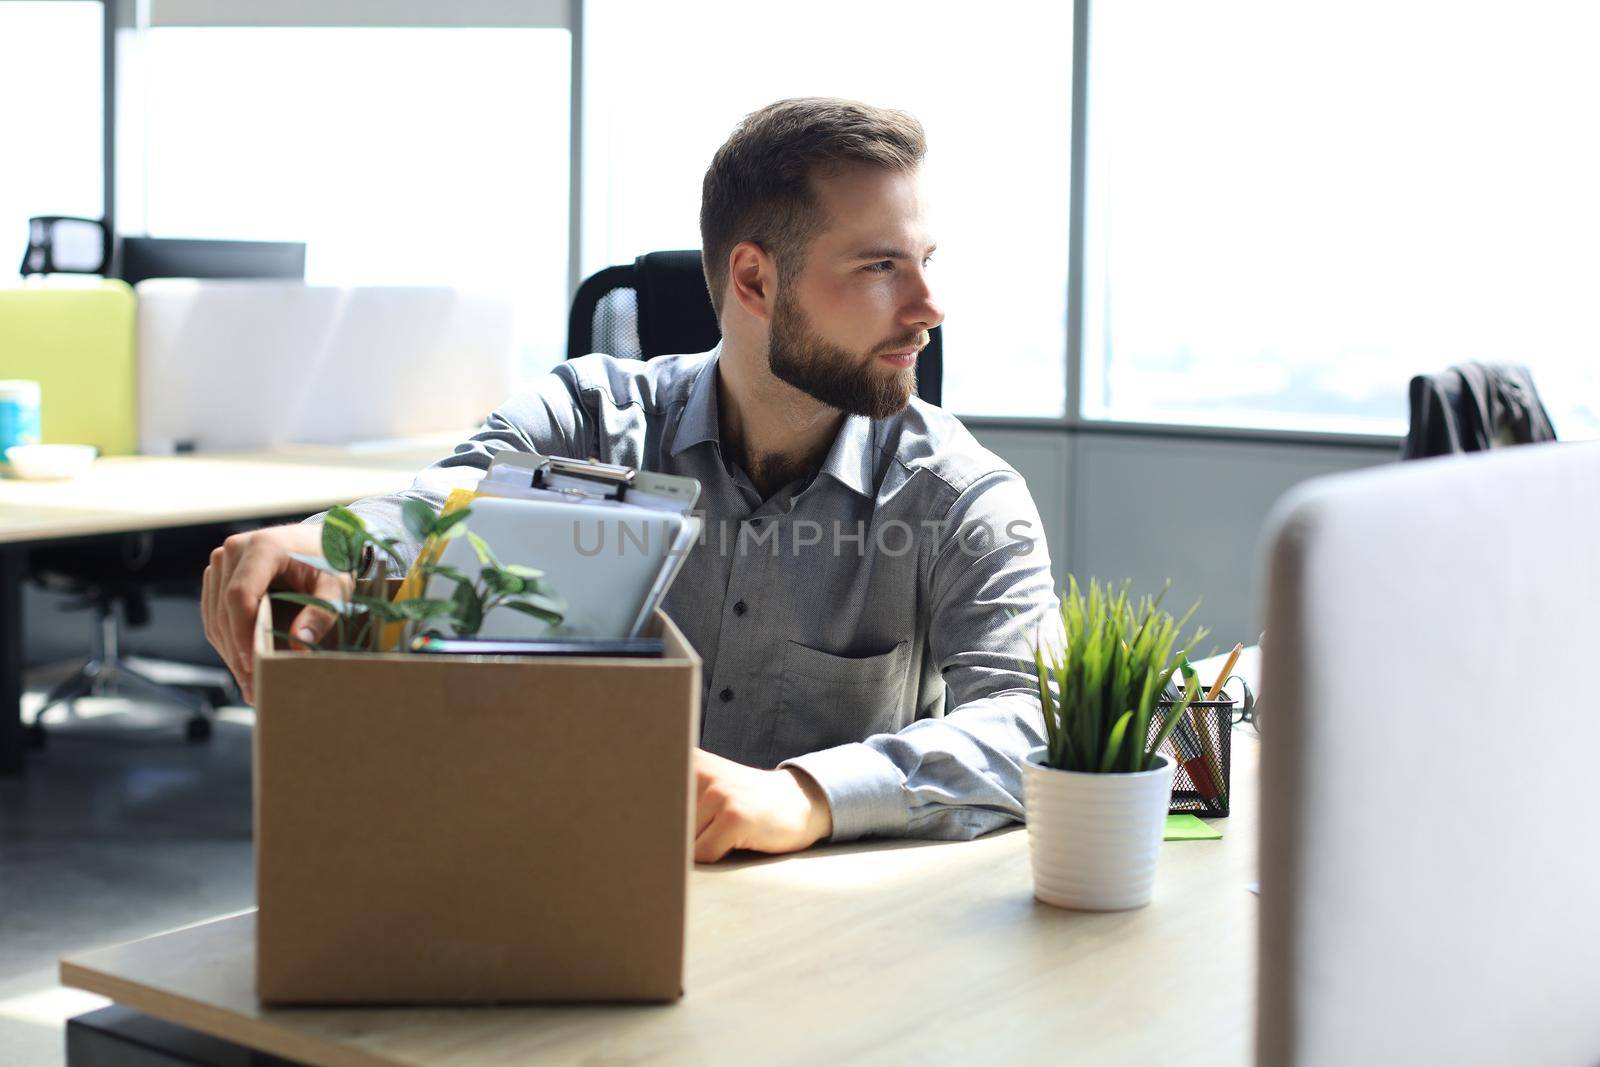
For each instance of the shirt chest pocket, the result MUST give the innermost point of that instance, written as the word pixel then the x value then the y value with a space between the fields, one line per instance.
pixel 826 700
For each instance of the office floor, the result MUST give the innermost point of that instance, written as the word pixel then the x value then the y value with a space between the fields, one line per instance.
pixel 118 829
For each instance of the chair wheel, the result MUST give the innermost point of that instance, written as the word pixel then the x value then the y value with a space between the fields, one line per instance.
pixel 37 737
pixel 198 729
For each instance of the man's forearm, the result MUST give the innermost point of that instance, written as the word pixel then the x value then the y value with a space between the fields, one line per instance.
pixel 950 778
pixel 820 822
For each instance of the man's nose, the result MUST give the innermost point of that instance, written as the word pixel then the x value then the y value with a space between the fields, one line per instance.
pixel 921 310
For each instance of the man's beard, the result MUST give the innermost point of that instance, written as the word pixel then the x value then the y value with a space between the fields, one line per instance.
pixel 800 356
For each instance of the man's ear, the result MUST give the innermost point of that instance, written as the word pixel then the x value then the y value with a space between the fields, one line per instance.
pixel 753 279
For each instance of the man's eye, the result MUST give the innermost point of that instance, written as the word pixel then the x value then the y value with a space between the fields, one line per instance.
pixel 881 267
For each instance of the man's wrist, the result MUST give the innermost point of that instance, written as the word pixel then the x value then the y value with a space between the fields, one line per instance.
pixel 819 819
pixel 865 790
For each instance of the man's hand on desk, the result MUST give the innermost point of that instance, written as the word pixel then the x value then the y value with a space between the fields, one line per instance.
pixel 242 569
pixel 744 807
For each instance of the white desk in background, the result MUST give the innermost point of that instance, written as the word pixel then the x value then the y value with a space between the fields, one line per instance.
pixel 128 494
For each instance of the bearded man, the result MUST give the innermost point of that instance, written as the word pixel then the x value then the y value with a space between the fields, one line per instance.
pixel 869 576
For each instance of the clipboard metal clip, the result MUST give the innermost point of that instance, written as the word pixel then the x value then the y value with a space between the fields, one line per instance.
pixel 517 472
pixel 615 480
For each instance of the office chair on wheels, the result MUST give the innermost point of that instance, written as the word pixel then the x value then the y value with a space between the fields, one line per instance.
pixel 126 574
pixel 108 573
pixel 658 305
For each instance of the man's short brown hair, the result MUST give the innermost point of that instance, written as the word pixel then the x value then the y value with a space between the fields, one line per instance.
pixel 758 187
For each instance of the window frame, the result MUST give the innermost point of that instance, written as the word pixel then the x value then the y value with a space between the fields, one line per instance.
pixel 1075 421
pixel 569 14
pixel 137 15
pixel 108 101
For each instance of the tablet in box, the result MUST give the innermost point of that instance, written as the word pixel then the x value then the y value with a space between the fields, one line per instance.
pixel 610 563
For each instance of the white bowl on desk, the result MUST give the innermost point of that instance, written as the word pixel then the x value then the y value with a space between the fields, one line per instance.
pixel 49 462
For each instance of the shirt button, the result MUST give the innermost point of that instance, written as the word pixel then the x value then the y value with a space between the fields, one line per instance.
pixel 739 608
pixel 726 695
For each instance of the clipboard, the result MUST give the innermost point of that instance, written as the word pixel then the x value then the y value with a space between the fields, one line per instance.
pixel 610 540
pixel 530 476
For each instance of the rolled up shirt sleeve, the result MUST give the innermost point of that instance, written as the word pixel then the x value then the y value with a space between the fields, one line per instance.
pixel 959 775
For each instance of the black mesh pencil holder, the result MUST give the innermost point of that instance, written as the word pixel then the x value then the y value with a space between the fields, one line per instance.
pixel 1202 754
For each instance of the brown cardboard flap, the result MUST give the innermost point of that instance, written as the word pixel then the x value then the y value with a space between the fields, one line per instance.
pixel 457 828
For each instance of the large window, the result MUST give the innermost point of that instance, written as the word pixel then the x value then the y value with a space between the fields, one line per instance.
pixel 51 100
pixel 990 84
pixel 1294 209
pixel 400 155
pixel 1290 211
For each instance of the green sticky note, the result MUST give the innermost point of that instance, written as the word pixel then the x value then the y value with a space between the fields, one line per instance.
pixel 1189 828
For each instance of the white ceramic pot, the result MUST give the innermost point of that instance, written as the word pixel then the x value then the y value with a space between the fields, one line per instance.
pixel 1095 838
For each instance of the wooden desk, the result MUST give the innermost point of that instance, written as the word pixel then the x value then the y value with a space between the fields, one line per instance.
pixel 887 953
pixel 127 494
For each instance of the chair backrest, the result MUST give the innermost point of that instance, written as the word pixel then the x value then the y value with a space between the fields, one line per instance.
pixel 1429 872
pixel 659 306
pixel 65 244
pixel 1472 407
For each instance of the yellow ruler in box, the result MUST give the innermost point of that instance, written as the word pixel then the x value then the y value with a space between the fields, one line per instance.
pixel 415 583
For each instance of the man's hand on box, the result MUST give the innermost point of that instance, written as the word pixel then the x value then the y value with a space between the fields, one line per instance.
pixel 242 569
pixel 743 807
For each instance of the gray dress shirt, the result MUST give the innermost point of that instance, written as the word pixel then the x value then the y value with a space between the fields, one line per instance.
pixel 867 624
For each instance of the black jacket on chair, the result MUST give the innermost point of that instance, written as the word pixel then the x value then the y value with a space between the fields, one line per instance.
pixel 1472 407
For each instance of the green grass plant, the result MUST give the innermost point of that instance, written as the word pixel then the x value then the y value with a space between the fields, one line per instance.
pixel 1100 681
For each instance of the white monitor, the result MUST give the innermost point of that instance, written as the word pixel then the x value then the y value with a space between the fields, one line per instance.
pixel 1430 869
pixel 255 364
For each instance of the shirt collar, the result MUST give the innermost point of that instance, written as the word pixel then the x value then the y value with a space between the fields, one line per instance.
pixel 698 422
pixel 849 461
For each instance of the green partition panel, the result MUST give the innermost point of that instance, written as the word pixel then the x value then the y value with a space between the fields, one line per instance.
pixel 77 340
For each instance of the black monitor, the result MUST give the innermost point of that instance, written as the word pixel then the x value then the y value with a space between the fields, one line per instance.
pixel 166 257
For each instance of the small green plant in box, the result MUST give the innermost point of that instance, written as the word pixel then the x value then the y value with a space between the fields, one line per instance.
pixel 1099 689
pixel 360 619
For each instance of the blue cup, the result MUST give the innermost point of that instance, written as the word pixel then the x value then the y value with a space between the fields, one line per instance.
pixel 19 414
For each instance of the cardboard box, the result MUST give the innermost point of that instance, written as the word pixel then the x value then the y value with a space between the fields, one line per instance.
pixel 434 829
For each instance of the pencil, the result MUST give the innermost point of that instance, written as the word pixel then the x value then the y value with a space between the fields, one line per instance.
pixel 1213 766
pixel 1227 668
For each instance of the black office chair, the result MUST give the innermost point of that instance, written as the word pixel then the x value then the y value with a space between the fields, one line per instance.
pixel 1473 407
pixel 125 571
pixel 659 306
pixel 62 244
